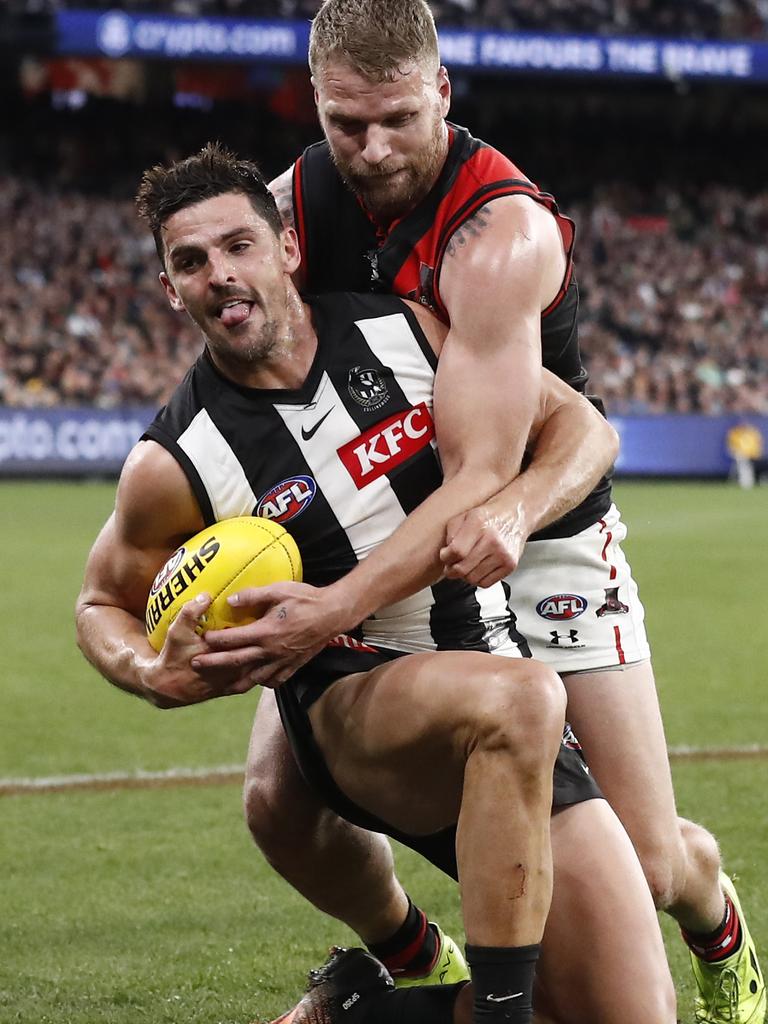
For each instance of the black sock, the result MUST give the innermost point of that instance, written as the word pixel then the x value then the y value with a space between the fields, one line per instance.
pixel 503 981
pixel 430 1004
pixel 412 950
pixel 721 943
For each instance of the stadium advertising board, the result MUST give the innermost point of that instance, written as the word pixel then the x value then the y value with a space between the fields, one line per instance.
pixel 121 34
pixel 94 442
pixel 68 442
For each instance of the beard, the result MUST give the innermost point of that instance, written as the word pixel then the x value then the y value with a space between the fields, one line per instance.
pixel 246 350
pixel 391 189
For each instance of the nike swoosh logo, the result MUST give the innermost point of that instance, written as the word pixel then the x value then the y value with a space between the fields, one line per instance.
pixel 307 435
pixel 503 999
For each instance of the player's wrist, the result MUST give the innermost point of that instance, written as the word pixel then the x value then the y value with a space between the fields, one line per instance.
pixel 344 606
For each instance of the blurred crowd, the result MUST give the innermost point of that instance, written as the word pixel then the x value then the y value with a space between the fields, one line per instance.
pixel 674 313
pixel 712 19
pixel 674 301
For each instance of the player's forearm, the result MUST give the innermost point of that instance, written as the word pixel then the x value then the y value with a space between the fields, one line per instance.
pixel 409 560
pixel 575 448
pixel 115 643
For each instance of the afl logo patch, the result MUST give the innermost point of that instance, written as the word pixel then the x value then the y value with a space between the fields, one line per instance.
pixel 168 570
pixel 288 499
pixel 367 387
pixel 562 607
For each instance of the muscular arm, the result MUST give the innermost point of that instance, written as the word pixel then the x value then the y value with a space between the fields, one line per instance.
pixel 502 267
pixel 570 451
pixel 155 511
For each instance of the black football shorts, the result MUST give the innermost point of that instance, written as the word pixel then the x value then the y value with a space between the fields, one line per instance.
pixel 572 781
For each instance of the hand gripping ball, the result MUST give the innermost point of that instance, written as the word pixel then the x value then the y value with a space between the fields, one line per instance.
pixel 235 553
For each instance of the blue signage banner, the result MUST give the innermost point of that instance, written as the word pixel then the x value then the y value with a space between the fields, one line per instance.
pixel 95 442
pixel 678 445
pixel 121 34
pixel 68 442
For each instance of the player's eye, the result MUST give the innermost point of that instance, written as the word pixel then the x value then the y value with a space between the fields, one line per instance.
pixel 188 264
pixel 350 127
pixel 400 121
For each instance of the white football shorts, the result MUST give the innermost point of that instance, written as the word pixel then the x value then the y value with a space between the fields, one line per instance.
pixel 576 602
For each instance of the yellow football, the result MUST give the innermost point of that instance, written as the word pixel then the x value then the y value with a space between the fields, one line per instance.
pixel 244 552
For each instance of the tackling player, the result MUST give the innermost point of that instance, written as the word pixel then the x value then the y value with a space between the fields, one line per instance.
pixel 398 199
pixel 447 748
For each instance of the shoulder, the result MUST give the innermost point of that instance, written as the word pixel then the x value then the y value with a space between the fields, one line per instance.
pixel 281 188
pixel 155 504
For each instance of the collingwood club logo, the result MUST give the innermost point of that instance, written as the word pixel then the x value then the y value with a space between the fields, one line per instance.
pixel 367 387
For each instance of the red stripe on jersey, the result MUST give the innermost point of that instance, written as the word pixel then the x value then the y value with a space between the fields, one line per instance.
pixel 486 175
pixel 619 648
pixel 604 554
pixel 298 209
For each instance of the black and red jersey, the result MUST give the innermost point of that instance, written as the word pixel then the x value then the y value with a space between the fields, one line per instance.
pixel 343 249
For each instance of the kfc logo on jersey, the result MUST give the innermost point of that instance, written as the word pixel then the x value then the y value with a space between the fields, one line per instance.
pixel 562 607
pixel 387 445
pixel 288 499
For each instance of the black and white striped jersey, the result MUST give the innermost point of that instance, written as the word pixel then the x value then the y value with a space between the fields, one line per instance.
pixel 340 462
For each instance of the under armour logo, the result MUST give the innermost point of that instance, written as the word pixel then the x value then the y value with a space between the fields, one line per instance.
pixel 569 639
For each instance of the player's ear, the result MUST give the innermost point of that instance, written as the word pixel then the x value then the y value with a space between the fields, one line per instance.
pixel 171 294
pixel 444 90
pixel 290 251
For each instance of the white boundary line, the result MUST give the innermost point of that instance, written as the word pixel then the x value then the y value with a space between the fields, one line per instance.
pixel 108 780
pixel 234 772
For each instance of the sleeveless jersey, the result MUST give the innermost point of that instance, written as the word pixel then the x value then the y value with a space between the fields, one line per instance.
pixel 343 248
pixel 340 462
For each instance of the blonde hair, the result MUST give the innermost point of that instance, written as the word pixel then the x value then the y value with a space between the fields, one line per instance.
pixel 376 38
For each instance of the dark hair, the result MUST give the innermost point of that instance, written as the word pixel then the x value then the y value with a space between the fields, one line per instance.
pixel 213 171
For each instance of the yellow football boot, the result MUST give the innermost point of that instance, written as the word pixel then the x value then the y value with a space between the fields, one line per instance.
pixel 448 967
pixel 731 991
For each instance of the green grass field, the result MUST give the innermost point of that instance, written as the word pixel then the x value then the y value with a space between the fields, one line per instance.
pixel 120 906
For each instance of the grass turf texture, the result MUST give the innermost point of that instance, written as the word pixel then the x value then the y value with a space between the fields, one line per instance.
pixel 151 904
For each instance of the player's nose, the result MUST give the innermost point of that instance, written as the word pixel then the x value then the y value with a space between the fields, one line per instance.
pixel 220 269
pixel 376 146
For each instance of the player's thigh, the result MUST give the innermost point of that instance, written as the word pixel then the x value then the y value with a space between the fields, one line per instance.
pixel 603 959
pixel 616 717
pixel 396 739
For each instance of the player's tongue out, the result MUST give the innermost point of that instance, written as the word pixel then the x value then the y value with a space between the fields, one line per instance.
pixel 235 314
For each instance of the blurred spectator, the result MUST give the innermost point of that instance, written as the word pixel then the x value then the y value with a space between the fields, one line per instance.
pixel 745 446
pixel 707 19
pixel 674 301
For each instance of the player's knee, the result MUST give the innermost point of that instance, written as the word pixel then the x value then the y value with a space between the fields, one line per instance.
pixel 513 703
pixel 702 854
pixel 279 832
pixel 668 863
pixel 262 812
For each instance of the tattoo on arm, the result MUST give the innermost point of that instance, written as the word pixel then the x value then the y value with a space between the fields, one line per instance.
pixel 469 229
